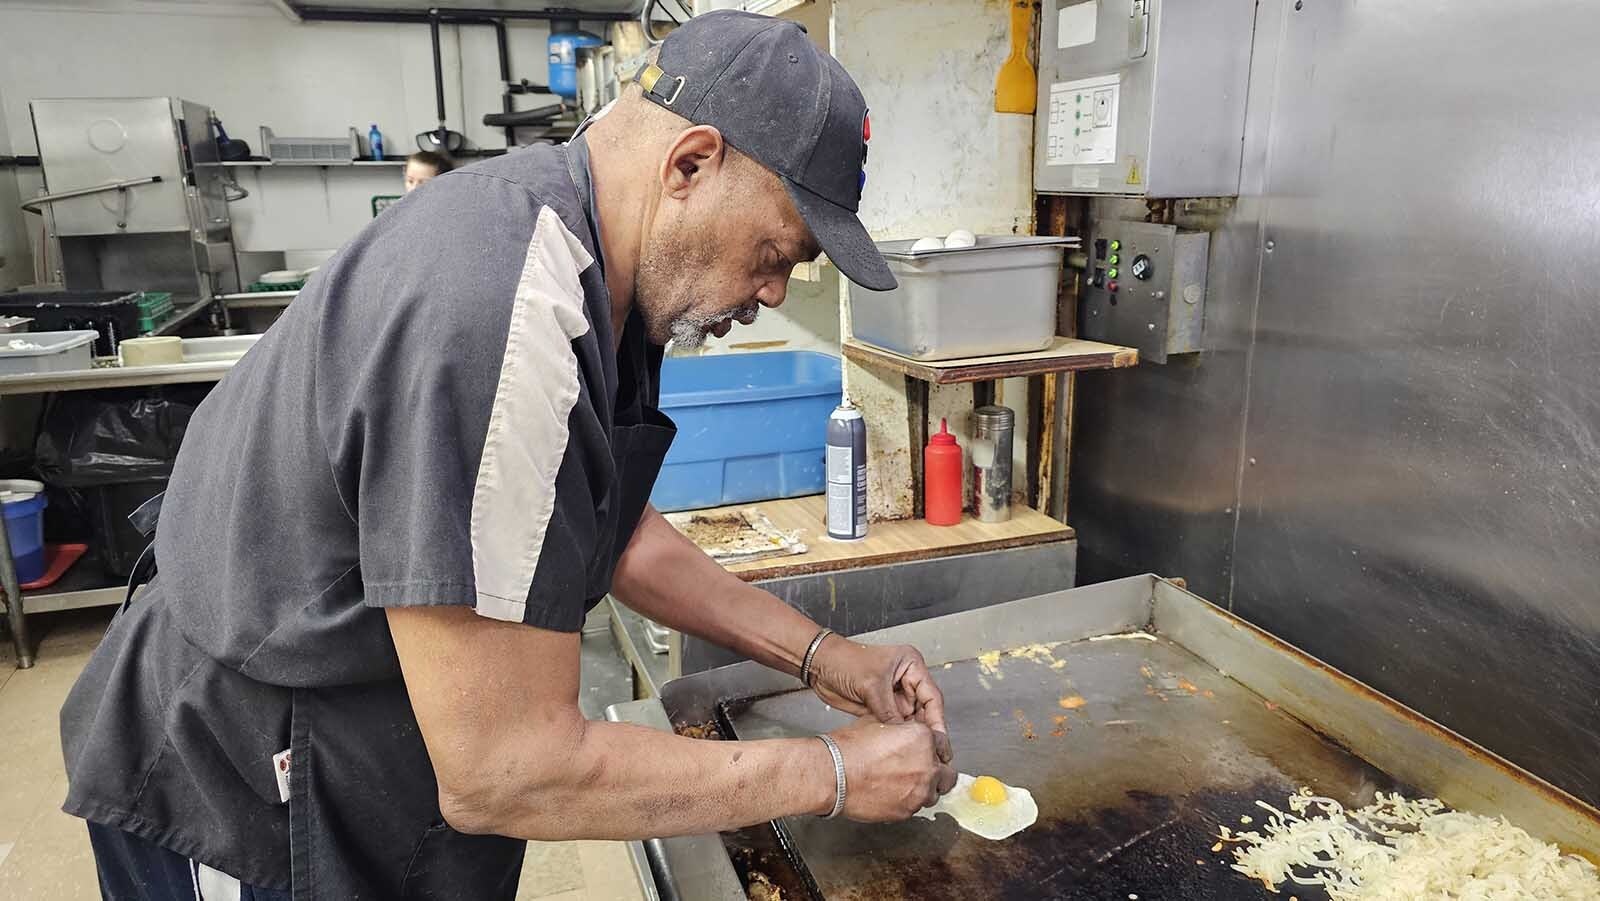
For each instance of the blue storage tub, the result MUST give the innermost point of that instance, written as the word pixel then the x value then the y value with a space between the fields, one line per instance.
pixel 24 514
pixel 751 427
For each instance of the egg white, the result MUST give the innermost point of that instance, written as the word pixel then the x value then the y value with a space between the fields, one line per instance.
pixel 992 821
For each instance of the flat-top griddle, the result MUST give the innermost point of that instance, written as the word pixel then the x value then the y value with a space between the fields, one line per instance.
pixel 1180 729
pixel 1153 750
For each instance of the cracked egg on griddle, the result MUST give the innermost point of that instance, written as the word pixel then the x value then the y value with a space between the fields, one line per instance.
pixel 986 806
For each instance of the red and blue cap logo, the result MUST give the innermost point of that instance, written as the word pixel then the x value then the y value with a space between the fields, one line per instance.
pixel 866 136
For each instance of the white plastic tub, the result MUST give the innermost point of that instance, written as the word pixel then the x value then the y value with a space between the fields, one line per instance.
pixel 214 350
pixel 29 352
pixel 997 297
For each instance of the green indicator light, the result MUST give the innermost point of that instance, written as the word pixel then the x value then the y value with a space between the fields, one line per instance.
pixel 1111 273
pixel 1113 260
pixel 1116 245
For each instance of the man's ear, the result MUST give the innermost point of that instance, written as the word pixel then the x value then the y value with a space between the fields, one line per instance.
pixel 694 155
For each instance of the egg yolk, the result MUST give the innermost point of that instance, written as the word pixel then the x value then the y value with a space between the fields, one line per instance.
pixel 988 790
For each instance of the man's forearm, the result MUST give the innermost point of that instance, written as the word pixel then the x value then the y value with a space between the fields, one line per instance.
pixel 512 754
pixel 664 576
pixel 628 782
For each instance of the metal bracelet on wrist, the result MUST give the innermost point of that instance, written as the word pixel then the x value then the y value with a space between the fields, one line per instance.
pixel 838 776
pixel 811 653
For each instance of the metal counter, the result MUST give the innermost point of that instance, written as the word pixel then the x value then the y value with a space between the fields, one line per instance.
pixel 1176 736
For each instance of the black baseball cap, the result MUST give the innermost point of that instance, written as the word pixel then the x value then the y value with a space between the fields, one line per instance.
pixel 788 106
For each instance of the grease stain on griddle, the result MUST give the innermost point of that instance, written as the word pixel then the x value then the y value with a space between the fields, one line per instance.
pixel 1128 800
pixel 1145 846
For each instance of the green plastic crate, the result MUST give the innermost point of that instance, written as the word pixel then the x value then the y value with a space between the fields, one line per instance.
pixel 155 308
pixel 256 287
pixel 381 202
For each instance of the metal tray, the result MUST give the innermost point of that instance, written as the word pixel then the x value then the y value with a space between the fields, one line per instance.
pixel 986 245
pixel 997 297
pixel 1176 736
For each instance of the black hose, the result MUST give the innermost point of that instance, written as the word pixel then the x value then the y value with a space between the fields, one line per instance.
pixel 438 72
pixel 504 45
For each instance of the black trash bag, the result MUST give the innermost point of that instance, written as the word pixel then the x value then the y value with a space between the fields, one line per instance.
pixel 111 437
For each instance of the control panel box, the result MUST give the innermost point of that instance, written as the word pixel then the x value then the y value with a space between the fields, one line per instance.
pixel 1145 287
pixel 1142 97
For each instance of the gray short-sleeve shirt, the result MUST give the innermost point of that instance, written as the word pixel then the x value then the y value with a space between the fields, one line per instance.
pixel 443 416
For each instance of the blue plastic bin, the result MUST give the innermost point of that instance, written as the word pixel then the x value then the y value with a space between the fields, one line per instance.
pixel 25 528
pixel 751 427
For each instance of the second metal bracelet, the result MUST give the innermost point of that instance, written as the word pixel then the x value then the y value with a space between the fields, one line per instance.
pixel 838 776
pixel 811 653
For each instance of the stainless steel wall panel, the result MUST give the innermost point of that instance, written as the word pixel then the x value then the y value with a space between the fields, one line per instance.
pixel 1421 492
pixel 1419 479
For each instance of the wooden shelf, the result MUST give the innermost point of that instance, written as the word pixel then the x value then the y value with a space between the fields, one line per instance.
pixel 888 542
pixel 1065 355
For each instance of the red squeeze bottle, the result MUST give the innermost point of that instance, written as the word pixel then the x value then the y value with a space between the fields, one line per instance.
pixel 941 479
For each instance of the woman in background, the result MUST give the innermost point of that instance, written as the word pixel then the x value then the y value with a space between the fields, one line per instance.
pixel 424 165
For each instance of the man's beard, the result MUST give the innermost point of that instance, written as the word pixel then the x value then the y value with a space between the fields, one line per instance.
pixel 664 287
pixel 690 330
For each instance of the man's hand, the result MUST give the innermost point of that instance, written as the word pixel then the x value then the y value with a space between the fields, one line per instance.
pixel 891 683
pixel 891 770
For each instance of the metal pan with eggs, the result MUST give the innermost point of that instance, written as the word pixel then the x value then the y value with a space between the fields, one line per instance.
pixel 1140 719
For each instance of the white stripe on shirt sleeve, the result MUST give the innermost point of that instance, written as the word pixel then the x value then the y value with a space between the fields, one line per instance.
pixel 514 495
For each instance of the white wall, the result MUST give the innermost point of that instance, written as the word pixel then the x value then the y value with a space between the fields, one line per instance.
pixel 940 158
pixel 255 67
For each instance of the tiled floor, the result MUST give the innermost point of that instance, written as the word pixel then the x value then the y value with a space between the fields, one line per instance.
pixel 44 854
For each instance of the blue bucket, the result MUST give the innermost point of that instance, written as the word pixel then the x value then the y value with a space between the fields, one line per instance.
pixel 751 427
pixel 24 510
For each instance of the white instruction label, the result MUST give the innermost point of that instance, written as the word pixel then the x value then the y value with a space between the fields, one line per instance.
pixel 1083 121
pixel 841 484
pixel 1075 24
pixel 841 467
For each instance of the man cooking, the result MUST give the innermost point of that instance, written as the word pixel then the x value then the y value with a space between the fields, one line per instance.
pixel 356 673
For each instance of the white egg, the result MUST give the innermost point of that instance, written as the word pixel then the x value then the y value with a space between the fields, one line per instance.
pixel 960 238
pixel 927 244
pixel 994 820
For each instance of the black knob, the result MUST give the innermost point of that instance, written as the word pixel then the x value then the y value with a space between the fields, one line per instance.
pixel 1141 268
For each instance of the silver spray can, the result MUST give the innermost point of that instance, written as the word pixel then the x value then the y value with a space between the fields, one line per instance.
pixel 991 462
pixel 847 474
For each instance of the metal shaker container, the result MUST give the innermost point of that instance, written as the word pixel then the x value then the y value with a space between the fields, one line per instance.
pixel 993 427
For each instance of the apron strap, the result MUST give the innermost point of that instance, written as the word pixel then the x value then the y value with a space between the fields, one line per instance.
pixel 144 569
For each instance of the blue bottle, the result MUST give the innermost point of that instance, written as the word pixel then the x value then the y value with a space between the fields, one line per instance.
pixel 375 138
pixel 565 39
